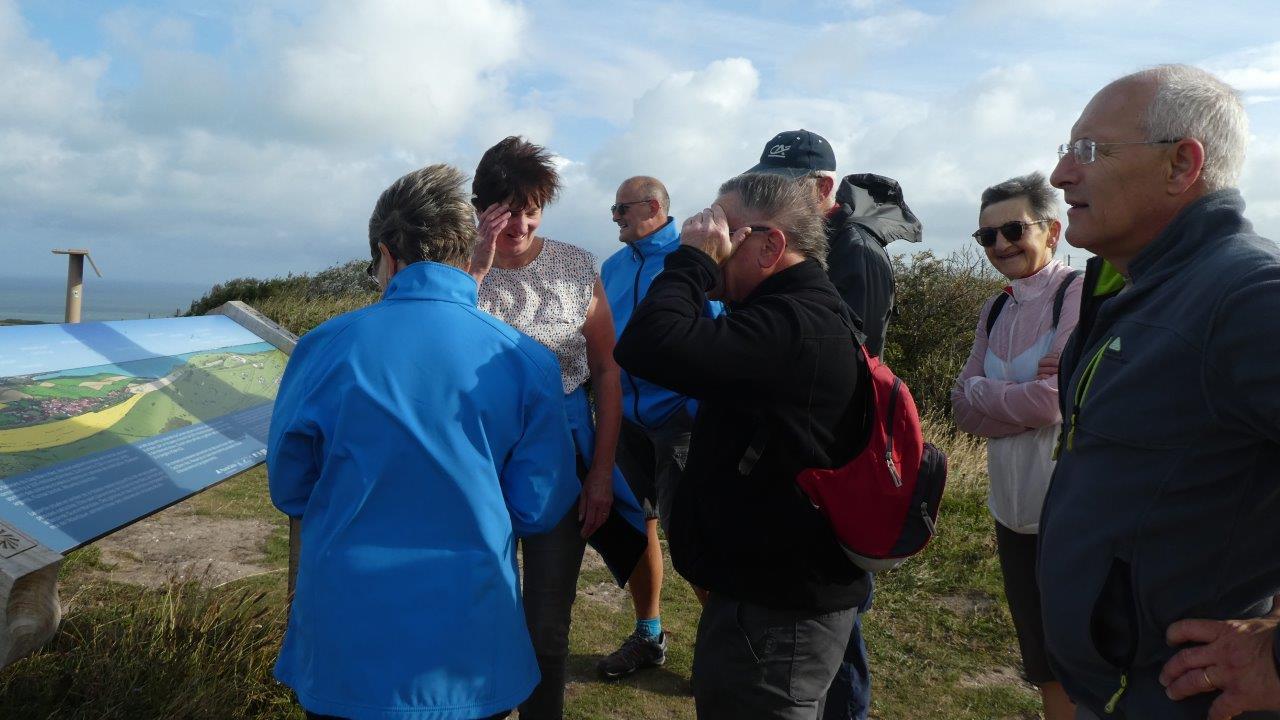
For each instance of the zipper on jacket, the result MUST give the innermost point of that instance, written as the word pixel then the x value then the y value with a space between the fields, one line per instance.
pixel 1115 699
pixel 1082 390
pixel 635 303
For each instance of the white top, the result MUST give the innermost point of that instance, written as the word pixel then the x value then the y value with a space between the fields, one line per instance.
pixel 547 300
pixel 999 397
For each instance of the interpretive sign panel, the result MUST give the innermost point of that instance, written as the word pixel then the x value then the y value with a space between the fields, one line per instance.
pixel 104 423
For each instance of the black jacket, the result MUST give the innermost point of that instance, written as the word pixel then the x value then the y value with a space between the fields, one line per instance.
pixel 870 213
pixel 784 361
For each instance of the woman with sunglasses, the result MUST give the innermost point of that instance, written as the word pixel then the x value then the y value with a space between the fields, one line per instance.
pixel 552 292
pixel 1008 393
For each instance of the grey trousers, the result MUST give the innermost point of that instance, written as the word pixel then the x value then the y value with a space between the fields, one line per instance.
pixel 751 662
pixel 551 565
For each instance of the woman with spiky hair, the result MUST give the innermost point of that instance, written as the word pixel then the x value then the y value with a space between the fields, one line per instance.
pixel 552 292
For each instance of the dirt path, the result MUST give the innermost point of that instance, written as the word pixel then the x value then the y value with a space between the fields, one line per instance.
pixel 178 544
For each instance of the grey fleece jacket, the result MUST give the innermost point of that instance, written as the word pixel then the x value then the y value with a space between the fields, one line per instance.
pixel 1165 503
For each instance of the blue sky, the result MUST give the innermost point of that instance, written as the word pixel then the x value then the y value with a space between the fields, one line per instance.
pixel 196 143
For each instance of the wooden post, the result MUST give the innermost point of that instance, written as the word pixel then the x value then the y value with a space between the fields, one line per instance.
pixel 29 607
pixel 75 281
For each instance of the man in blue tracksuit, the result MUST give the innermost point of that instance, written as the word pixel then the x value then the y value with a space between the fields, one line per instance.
pixel 654 440
pixel 1159 539
pixel 415 438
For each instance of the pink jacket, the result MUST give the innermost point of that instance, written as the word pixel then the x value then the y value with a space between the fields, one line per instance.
pixel 999 397
pixel 997 393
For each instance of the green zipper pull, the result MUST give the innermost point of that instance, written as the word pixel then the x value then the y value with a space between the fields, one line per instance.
pixel 1082 391
pixel 1115 699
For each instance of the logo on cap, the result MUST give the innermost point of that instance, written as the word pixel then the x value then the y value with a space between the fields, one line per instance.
pixel 779 151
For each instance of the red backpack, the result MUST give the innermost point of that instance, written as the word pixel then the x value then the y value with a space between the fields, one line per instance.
pixel 883 503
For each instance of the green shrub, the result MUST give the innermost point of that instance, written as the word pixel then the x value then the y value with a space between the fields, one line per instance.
pixel 937 307
pixel 297 302
pixel 938 300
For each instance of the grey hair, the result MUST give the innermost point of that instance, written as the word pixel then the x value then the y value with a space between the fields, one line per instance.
pixel 789 206
pixel 811 179
pixel 1034 187
pixel 1194 103
pixel 425 215
pixel 651 188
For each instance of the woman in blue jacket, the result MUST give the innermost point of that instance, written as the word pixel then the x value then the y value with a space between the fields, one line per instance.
pixel 415 438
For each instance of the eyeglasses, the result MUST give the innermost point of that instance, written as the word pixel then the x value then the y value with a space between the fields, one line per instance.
pixel 752 228
pixel 621 208
pixel 372 269
pixel 1012 231
pixel 1085 150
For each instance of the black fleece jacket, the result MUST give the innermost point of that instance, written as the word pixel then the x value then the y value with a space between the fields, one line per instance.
pixel 781 366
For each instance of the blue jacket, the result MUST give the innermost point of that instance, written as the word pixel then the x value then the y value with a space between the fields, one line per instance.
pixel 416 438
pixel 1164 502
pixel 627 275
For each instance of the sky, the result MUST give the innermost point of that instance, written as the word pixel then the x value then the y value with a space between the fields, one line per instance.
pixel 196 142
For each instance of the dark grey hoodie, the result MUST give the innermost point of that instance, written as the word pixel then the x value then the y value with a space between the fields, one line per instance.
pixel 870 213
pixel 1165 503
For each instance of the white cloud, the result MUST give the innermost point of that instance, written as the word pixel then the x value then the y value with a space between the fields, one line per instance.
pixel 201 163
pixel 396 71
pixel 1251 71
pixel 262 152
pixel 1064 9
pixel 39 90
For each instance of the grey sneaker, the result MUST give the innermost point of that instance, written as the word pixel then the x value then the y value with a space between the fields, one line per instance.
pixel 637 652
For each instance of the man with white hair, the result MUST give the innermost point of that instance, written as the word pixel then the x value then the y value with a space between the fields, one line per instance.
pixel 862 214
pixel 773 378
pixel 1159 564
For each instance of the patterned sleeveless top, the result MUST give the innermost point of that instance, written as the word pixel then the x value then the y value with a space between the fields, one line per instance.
pixel 547 300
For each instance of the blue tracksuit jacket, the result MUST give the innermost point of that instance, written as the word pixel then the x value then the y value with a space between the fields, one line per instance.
pixel 627 275
pixel 416 438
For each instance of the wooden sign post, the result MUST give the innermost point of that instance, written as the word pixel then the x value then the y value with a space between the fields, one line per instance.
pixel 75 280
pixel 222 370
pixel 29 607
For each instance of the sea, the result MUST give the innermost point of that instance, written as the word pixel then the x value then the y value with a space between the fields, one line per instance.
pixel 43 299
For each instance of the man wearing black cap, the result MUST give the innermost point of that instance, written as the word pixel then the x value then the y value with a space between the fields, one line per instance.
pixel 863 214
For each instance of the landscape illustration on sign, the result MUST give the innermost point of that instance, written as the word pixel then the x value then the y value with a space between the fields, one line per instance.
pixel 101 423
pixel 60 416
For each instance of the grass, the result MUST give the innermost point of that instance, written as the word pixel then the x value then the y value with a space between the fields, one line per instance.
pixel 940 639
pixel 70 387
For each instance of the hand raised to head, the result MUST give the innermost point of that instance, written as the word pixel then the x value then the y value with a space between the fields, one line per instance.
pixel 489 225
pixel 708 231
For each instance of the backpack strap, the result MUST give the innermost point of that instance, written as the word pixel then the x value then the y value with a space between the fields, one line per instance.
pixel 996 307
pixel 1059 298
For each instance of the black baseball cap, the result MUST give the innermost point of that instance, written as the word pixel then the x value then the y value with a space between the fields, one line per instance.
pixel 796 153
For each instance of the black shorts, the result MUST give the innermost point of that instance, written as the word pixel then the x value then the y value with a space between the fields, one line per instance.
pixel 1017 554
pixel 652 459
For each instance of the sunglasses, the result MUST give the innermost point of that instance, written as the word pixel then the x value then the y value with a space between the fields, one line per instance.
pixel 621 208
pixel 1012 231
